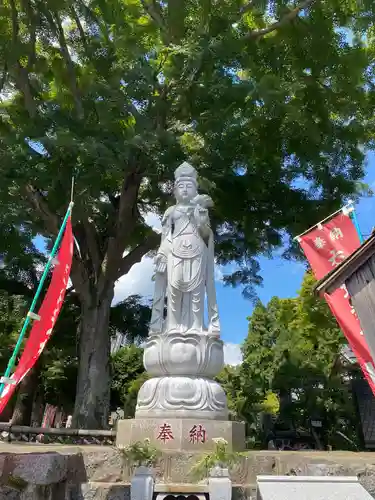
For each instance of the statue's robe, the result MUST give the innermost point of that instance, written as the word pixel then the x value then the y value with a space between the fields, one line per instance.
pixel 189 254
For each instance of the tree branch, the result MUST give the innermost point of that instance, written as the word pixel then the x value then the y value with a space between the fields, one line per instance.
pixel 51 221
pixel 127 262
pixel 39 204
pixel 245 8
pixel 284 20
pixel 127 216
pixel 58 30
pixel 154 11
pixel 52 224
pixel 3 78
pixel 32 25
pixel 79 26
pixel 15 25
pixel 21 75
pixel 70 67
pixel 92 244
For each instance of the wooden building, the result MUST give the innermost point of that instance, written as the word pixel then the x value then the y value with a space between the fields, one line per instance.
pixel 357 272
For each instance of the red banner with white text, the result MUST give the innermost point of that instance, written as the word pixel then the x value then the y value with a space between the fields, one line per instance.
pixel 48 313
pixel 325 247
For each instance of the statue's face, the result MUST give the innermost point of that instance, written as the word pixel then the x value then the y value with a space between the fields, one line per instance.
pixel 185 190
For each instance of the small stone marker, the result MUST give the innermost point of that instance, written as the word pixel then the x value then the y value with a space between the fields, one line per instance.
pixel 310 488
pixel 219 484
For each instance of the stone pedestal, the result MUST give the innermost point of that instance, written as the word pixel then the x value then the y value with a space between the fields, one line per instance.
pixel 181 407
pixel 181 434
pixel 182 366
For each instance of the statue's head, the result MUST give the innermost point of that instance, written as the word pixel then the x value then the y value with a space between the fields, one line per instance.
pixel 185 185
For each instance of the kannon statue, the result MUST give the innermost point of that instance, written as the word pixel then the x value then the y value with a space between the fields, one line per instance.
pixel 185 262
pixel 182 355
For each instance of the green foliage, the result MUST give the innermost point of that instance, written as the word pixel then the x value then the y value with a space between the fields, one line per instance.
pixel 221 456
pixel 139 454
pixel 12 314
pixel 293 349
pixel 16 483
pixel 271 403
pixel 131 317
pixel 230 379
pixel 128 374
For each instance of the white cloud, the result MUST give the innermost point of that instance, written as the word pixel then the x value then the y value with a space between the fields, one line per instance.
pixel 138 281
pixel 232 354
pixel 153 220
pixel 218 273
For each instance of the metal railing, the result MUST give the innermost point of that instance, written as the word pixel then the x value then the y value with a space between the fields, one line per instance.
pixel 24 434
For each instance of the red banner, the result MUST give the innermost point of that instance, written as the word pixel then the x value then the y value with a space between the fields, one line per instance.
pixel 48 313
pixel 325 247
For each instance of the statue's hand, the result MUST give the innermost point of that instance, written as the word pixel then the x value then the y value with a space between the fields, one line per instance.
pixel 160 263
pixel 201 215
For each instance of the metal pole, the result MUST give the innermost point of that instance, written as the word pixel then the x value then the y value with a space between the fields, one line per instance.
pixel 354 218
pixel 30 314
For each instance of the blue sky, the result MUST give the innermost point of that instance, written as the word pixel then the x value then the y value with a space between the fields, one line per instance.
pixel 281 278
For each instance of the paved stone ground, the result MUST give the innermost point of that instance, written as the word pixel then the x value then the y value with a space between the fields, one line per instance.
pixel 57 472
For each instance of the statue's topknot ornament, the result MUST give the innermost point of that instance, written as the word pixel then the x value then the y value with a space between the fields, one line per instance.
pixel 185 172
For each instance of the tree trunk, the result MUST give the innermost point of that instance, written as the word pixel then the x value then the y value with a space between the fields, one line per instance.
pixel 37 409
pixel 25 398
pixel 91 410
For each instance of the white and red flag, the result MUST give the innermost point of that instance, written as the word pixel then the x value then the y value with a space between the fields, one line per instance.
pixel 325 246
pixel 48 312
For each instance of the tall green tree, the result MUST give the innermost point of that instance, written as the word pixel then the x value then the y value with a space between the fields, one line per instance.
pixel 128 374
pixel 293 349
pixel 272 101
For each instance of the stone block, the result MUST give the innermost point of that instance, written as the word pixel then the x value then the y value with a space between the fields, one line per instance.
pixel 188 435
pixel 40 468
pixel 100 491
pixel 310 488
pixel 8 493
pixel 101 464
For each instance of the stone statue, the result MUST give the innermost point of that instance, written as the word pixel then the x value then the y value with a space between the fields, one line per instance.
pixel 182 355
pixel 185 262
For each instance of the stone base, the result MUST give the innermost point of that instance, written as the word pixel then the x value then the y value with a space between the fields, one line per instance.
pixel 181 435
pixel 58 472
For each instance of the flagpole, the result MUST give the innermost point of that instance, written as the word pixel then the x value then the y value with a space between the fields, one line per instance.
pixel 31 315
pixel 348 208
pixel 353 216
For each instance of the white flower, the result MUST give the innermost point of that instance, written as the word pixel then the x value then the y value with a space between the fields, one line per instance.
pixel 220 441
